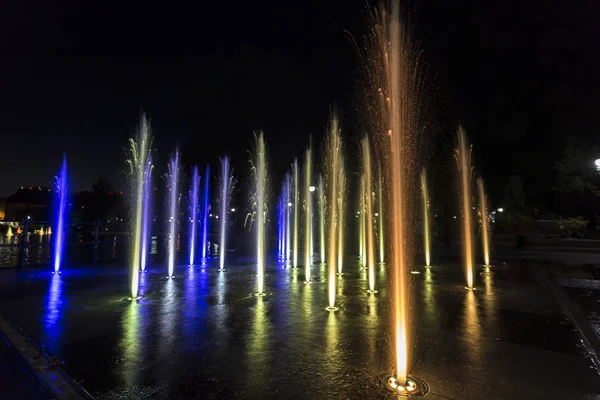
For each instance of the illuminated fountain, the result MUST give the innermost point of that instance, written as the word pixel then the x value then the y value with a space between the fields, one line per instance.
pixel 172 180
pixel 9 232
pixel 227 184
pixel 368 211
pixel 340 213
pixel 334 150
pixel 296 213
pixel 139 159
pixel 60 189
pixel 380 225
pixel 288 207
pixel 396 91
pixel 193 217
pixel 465 171
pixel 361 222
pixel 307 216
pixel 485 235
pixel 322 218
pixel 146 214
pixel 426 229
pixel 280 226
pixel 205 212
pixel 259 209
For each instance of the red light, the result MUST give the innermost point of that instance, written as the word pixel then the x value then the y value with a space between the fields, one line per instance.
pixel 121 193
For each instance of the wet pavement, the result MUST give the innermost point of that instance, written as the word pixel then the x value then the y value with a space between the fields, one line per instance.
pixel 17 382
pixel 201 335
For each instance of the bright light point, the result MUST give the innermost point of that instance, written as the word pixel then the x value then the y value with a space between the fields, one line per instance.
pixel 597 162
pixel 331 308
pixel 289 204
pixel 411 389
pixel 233 210
pixel 500 209
pixel 216 216
pixel 455 217
pixel 392 383
pixel 415 272
pixel 210 215
pixel 377 214
pixel 312 188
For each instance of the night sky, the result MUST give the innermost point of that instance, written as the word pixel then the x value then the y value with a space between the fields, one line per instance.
pixel 520 76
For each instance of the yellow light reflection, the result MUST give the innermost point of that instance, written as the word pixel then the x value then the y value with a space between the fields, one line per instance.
pixel 472 326
pixel 130 344
pixel 332 347
pixel 259 358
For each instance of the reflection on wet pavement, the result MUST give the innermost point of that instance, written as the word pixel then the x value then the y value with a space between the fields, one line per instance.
pixel 202 335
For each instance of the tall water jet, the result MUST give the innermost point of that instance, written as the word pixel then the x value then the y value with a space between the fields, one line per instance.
pixel 485 235
pixel 367 182
pixel 139 153
pixel 280 226
pixel 426 230
pixel 380 238
pixel 334 148
pixel 146 214
pixel 340 214
pixel 394 95
pixel 361 221
pixel 60 190
pixel 205 211
pixel 172 180
pixel 227 184
pixel 307 216
pixel 465 171
pixel 259 208
pixel 288 216
pixel 296 213
pixel 193 217
pixel 321 220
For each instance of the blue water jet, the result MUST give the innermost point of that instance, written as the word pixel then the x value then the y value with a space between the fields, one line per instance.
pixel 206 209
pixel 61 214
pixel 193 208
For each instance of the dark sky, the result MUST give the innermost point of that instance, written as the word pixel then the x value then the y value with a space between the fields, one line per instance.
pixel 75 74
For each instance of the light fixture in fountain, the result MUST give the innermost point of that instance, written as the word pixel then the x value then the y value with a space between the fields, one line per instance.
pixel 370 291
pixel 414 387
pixel 137 298
pixel 470 289
pixel 332 309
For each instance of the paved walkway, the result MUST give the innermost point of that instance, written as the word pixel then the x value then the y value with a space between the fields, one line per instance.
pixel 16 380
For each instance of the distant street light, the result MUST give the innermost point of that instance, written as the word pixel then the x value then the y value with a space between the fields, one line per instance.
pixel 597 163
pixel 312 188
pixel 500 209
